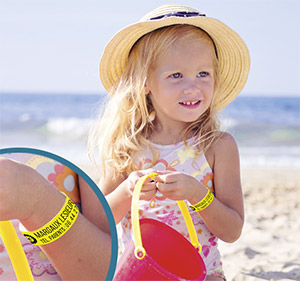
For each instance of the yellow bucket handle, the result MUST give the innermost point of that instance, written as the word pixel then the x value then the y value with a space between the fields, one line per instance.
pixel 140 251
pixel 15 251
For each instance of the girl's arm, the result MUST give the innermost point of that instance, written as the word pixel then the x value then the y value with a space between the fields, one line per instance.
pixel 82 253
pixel 224 217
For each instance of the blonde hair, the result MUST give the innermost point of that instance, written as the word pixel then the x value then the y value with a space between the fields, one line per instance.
pixel 124 127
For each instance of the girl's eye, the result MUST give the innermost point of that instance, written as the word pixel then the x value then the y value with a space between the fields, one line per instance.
pixel 176 75
pixel 202 74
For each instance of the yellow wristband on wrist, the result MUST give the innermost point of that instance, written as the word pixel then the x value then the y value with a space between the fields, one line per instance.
pixel 57 227
pixel 204 203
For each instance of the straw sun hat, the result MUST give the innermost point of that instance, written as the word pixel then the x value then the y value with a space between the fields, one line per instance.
pixel 232 52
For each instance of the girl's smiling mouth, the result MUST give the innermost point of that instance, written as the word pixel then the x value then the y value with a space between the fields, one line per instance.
pixel 190 104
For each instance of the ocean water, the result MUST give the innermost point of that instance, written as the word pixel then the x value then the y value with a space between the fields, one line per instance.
pixel 267 129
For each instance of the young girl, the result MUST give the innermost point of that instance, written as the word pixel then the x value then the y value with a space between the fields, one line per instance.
pixel 168 76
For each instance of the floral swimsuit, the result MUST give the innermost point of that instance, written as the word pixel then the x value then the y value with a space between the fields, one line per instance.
pixel 177 158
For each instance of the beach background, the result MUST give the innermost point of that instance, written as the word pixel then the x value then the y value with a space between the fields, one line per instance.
pixel 50 95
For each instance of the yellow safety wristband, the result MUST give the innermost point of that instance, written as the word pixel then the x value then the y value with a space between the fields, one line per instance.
pixel 204 203
pixel 57 227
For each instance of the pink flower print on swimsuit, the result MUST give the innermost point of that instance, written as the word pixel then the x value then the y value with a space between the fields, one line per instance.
pixel 37 261
pixel 160 164
pixel 207 181
pixel 2 249
pixel 206 248
pixel 205 175
pixel 168 217
pixel 65 180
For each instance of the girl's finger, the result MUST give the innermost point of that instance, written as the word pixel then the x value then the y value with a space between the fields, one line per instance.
pixel 149 186
pixel 164 187
pixel 167 178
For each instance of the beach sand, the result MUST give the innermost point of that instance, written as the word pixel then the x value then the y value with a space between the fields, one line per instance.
pixel 269 247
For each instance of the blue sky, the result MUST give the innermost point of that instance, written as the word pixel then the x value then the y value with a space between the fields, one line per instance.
pixel 54 46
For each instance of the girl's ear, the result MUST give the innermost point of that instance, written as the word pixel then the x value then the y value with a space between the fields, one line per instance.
pixel 147 89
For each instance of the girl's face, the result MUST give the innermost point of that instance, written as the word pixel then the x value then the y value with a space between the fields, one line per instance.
pixel 181 83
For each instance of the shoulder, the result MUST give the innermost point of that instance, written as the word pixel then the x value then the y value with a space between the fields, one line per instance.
pixel 224 149
pixel 224 142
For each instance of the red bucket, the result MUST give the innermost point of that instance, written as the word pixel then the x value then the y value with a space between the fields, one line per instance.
pixel 158 251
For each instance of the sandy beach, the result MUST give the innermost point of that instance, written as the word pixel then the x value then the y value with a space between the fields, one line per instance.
pixel 269 248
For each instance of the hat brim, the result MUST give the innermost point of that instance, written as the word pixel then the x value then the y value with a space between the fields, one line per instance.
pixel 233 54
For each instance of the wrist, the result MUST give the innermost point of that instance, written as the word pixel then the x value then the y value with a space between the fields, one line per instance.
pixel 120 201
pixel 45 207
pixel 198 195
pixel 126 191
pixel 203 203
pixel 56 227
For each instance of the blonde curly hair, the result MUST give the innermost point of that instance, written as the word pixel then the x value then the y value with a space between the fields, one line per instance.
pixel 124 127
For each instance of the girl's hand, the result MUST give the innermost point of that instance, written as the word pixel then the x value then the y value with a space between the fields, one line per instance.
pixel 179 186
pixel 20 190
pixel 149 188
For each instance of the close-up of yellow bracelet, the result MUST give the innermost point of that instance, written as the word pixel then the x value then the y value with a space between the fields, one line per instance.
pixel 57 227
pixel 204 203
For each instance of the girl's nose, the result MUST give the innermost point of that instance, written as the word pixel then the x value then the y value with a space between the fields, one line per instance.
pixel 190 87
